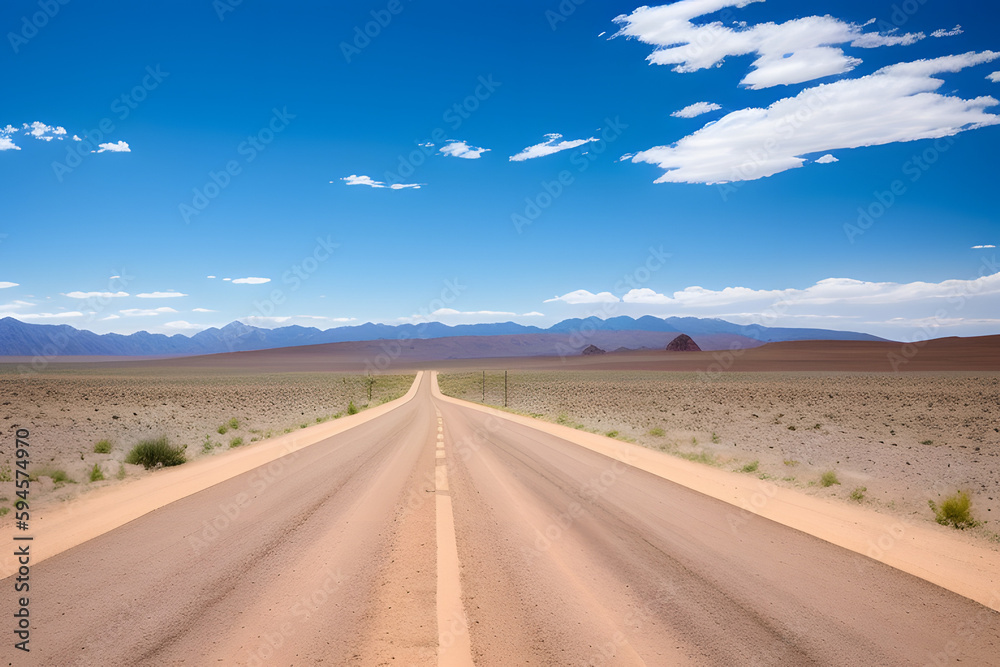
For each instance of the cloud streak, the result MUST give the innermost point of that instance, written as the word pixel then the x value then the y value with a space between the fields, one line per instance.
pixel 354 179
pixel 549 147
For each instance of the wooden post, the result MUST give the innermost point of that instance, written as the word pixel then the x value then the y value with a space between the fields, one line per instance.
pixel 484 386
pixel 505 389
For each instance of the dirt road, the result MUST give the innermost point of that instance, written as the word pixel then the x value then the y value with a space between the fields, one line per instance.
pixel 436 534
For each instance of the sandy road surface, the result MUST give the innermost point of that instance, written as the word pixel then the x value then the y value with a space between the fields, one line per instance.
pixel 567 557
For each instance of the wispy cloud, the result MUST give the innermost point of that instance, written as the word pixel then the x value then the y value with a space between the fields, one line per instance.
pixel 182 325
pixel 755 143
pixel 251 281
pixel 582 296
pixel 119 147
pixel 463 150
pixel 826 159
pixel 796 51
pixel 548 147
pixel 6 143
pixel 5 285
pixel 957 30
pixel 354 179
pixel 203 310
pixel 981 247
pixel 146 312
pixel 160 295
pixel 96 295
pixel 696 109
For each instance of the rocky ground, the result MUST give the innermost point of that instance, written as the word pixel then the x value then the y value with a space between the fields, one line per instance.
pixel 892 442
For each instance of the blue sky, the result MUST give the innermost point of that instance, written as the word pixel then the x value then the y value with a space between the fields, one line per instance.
pixel 829 166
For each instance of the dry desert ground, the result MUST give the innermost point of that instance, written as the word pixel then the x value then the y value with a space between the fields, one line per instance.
pixel 69 411
pixel 892 441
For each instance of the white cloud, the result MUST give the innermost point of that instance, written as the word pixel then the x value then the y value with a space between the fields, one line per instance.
pixel 897 103
pixel 95 295
pixel 367 180
pixel 957 30
pixel 696 109
pixel 160 295
pixel 49 316
pixel 44 132
pixel 251 281
pixel 583 296
pixel 210 277
pixel 225 279
pixel 796 51
pixel 535 313
pixel 146 312
pixel 825 292
pixel 463 150
pixel 548 147
pixel 114 277
pixel 111 317
pixel 203 310
pixel 181 325
pixel 440 312
pixel 120 147
pixel 6 143
pixel 826 159
pixel 980 247
pixel 76 138
pixel 994 77
pixel 262 321
pixel 5 285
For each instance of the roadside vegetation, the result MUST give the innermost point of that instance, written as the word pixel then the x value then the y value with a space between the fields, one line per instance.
pixel 156 452
pixel 955 510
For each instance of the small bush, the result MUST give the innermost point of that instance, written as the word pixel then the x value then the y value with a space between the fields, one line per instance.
pixel 352 409
pixel 657 432
pixel 954 511
pixel 828 479
pixel 58 476
pixel 612 434
pixel 5 474
pixel 102 447
pixel 235 442
pixel 750 467
pixel 233 423
pixel 151 453
pixel 562 418
pixel 791 462
pixel 926 442
pixel 95 474
pixel 222 430
pixel 4 510
pixel 700 457
pixel 715 439
pixel 858 494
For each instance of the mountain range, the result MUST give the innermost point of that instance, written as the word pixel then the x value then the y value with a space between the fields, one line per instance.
pixel 23 339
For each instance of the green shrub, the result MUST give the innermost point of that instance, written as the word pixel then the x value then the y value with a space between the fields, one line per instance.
pixel 4 510
pixel 612 434
pixel 235 442
pixel 657 432
pixel 926 442
pixel 954 510
pixel 222 430
pixel 352 409
pixel 102 447
pixel 715 438
pixel 829 478
pixel 233 423
pixel 858 494
pixel 58 476
pixel 750 467
pixel 151 453
pixel 5 474
pixel 95 474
